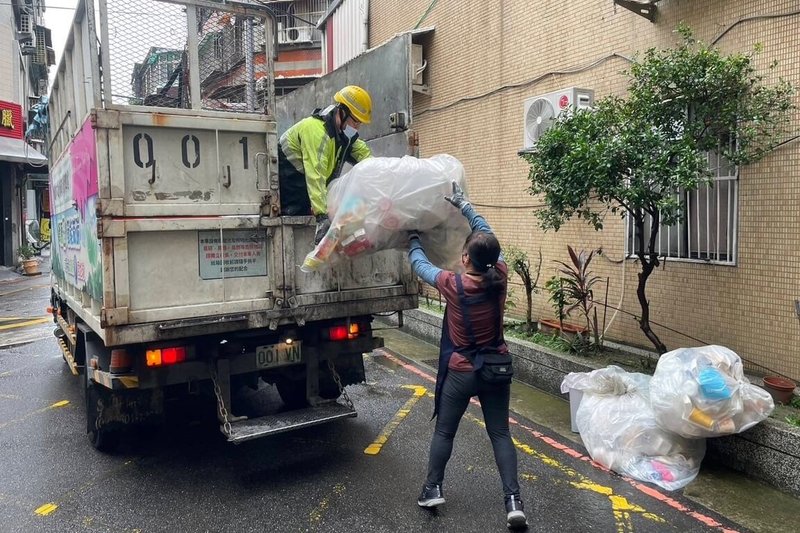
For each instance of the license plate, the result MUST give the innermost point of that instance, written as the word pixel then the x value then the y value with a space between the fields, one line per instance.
pixel 281 354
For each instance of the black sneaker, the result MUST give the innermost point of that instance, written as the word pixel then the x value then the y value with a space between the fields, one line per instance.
pixel 516 513
pixel 431 496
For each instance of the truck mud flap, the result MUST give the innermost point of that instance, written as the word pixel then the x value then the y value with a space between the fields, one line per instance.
pixel 253 428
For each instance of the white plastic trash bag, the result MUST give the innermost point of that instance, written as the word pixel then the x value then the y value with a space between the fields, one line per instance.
pixel 702 392
pixel 373 206
pixel 620 432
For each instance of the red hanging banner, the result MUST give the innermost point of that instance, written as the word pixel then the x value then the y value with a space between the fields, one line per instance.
pixel 11 120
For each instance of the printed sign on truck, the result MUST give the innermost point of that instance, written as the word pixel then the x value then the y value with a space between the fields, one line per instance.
pixel 76 251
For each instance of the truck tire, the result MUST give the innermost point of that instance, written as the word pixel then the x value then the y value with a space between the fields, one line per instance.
pixel 104 440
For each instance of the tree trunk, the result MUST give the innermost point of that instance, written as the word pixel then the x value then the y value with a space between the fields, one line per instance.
pixel 649 262
pixel 529 310
pixel 644 321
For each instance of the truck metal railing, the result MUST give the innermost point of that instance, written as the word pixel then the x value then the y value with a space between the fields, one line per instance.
pixel 188 54
pixel 178 54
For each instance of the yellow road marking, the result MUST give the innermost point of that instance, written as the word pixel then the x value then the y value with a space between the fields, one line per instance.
pixel 26 323
pixel 375 447
pixel 621 508
pixel 9 318
pixel 316 514
pixel 4 374
pixel 23 289
pixel 83 488
pixel 56 405
pixel 46 509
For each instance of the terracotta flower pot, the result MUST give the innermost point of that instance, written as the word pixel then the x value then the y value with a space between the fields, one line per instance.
pixel 31 266
pixel 569 331
pixel 781 389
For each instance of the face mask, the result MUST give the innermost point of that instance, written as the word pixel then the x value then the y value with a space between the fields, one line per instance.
pixel 350 131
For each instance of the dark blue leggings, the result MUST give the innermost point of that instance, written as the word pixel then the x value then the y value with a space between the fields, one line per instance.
pixel 458 388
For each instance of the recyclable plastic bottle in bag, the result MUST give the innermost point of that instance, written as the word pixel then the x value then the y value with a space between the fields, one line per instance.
pixel 702 392
pixel 373 206
pixel 620 432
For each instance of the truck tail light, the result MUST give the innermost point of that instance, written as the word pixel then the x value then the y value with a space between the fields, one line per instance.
pixel 344 332
pixel 165 356
pixel 338 333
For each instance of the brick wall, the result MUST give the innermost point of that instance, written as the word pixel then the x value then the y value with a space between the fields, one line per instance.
pixel 478 48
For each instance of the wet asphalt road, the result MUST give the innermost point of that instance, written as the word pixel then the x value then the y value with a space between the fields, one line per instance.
pixel 185 477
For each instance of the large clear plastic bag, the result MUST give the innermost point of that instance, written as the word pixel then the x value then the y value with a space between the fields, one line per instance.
pixel 620 432
pixel 373 206
pixel 702 392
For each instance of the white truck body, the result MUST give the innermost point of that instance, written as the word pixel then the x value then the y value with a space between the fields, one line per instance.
pixel 166 218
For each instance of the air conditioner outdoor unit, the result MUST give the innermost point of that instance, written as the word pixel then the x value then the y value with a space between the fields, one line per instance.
pixel 26 38
pixel 298 34
pixel 540 111
pixel 25 23
pixel 28 50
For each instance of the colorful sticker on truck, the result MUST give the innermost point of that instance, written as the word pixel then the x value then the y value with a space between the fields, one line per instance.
pixel 76 257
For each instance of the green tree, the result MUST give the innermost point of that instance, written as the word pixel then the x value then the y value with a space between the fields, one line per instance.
pixel 631 157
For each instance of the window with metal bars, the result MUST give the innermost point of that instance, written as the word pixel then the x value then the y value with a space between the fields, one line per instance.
pixel 707 229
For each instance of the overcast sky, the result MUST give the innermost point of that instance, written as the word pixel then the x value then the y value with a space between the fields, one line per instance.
pixel 59 21
pixel 134 26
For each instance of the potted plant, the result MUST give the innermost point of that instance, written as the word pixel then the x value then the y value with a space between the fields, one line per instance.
pixel 559 298
pixel 29 263
pixel 578 285
pixel 781 389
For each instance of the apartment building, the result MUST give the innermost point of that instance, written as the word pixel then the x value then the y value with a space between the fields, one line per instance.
pixel 731 273
pixel 26 52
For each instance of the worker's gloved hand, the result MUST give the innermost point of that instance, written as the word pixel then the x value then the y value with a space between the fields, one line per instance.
pixel 323 225
pixel 413 241
pixel 457 199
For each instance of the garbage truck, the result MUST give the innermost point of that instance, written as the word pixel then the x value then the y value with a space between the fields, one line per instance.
pixel 174 272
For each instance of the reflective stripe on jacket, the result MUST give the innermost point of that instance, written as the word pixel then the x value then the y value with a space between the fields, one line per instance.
pixel 315 151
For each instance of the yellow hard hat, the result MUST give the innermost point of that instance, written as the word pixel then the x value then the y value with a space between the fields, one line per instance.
pixel 357 101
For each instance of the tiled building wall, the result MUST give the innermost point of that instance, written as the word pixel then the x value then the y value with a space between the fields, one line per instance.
pixel 7 48
pixel 509 50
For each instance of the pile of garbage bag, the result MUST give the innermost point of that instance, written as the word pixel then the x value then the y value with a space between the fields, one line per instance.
pixel 702 392
pixel 653 428
pixel 373 206
pixel 620 432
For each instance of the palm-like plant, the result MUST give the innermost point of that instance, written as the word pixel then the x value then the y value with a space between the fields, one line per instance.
pixel 577 283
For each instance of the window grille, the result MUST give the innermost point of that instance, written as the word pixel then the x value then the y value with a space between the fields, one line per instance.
pixel 708 227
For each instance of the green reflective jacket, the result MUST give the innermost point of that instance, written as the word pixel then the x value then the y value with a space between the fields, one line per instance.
pixel 313 148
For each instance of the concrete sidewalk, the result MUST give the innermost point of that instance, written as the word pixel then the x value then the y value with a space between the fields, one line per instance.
pixel 740 498
pixel 15 274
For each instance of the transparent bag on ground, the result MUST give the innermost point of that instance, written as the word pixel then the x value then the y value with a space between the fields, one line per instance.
pixel 702 392
pixel 373 206
pixel 620 431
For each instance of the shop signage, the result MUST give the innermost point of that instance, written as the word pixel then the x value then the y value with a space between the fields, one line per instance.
pixel 10 120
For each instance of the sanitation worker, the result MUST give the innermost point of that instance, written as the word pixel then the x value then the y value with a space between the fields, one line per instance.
pixel 311 154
